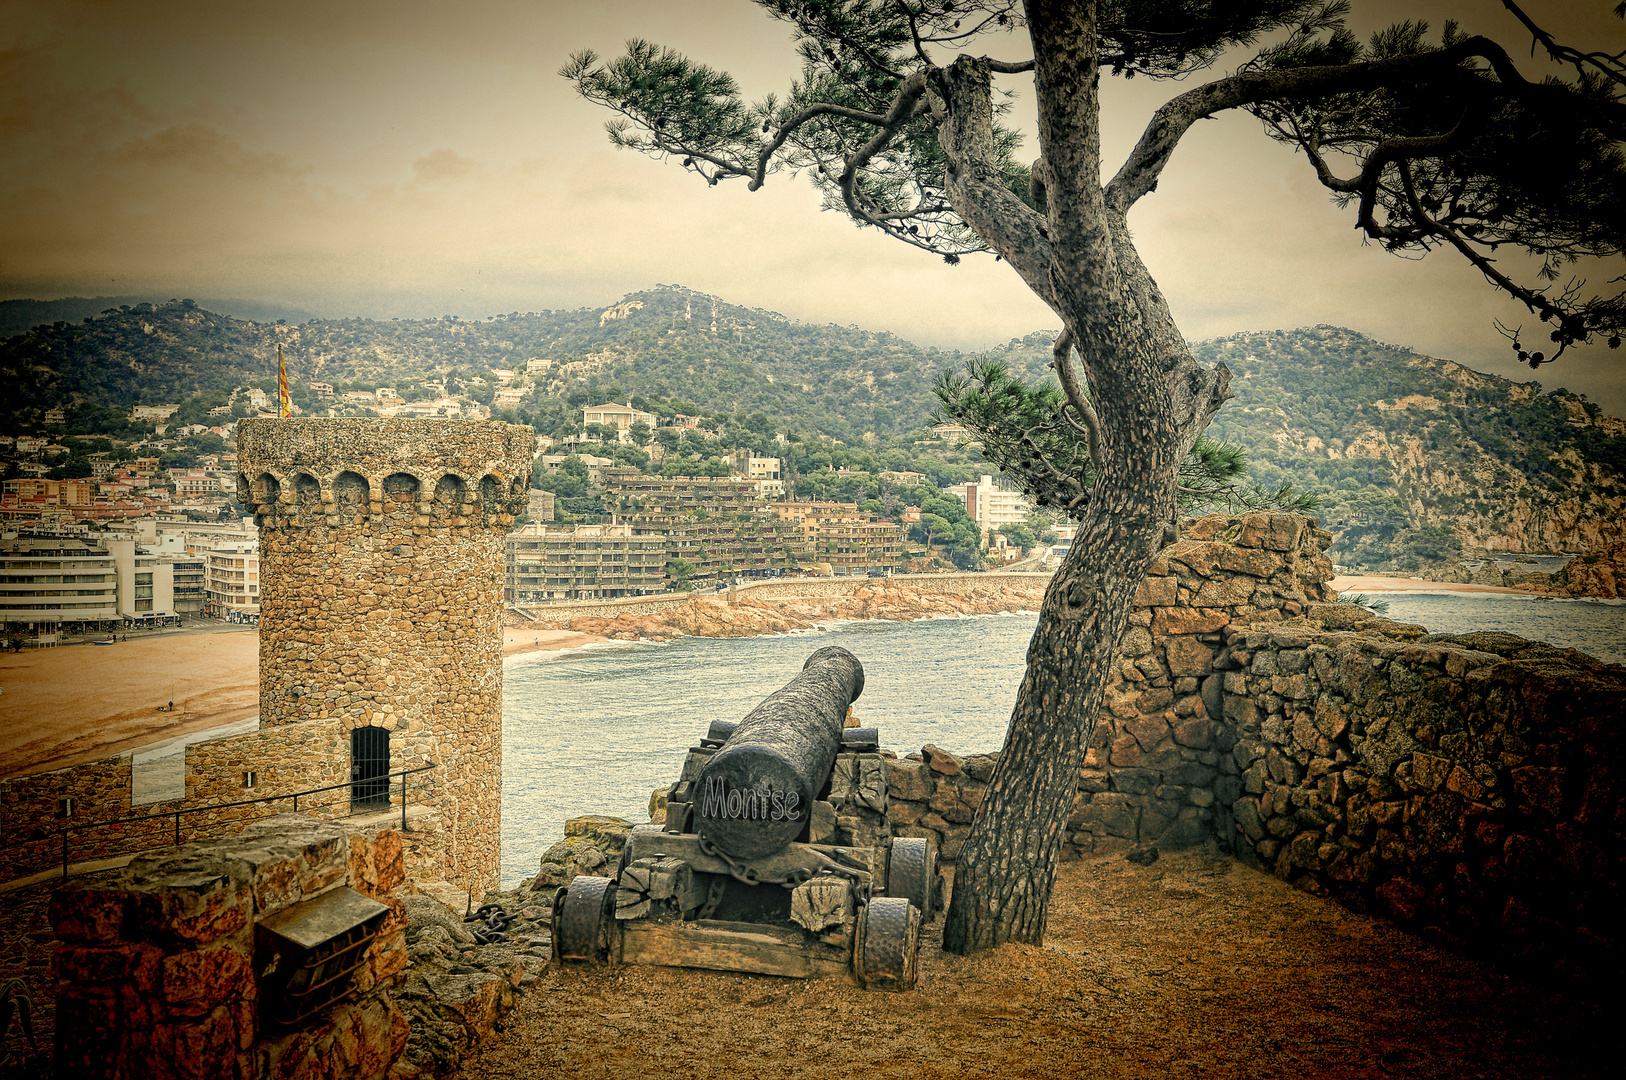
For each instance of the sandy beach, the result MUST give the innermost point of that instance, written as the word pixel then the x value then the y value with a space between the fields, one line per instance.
pixel 81 702
pixel 524 639
pixel 1362 584
pixel 77 703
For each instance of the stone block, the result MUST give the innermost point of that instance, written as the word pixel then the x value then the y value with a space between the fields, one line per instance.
pixel 1109 813
pixel 83 911
pixel 195 908
pixel 1194 733
pixel 941 761
pixel 957 802
pixel 1170 621
pixel 909 780
pixel 1188 656
pixel 196 982
pixel 1157 592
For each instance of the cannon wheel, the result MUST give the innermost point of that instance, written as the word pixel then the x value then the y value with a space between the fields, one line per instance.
pixel 911 872
pixel 886 953
pixel 583 920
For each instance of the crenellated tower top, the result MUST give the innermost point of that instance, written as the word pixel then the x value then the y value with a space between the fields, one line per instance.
pixel 337 470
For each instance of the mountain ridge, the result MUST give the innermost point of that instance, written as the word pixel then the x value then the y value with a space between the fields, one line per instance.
pixel 1414 457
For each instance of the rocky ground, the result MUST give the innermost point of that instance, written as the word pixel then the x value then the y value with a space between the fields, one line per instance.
pixel 747 616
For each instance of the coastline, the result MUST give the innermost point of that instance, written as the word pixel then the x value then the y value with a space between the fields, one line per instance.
pixel 1368 584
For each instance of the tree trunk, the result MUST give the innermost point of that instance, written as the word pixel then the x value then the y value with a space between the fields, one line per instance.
pixel 1152 398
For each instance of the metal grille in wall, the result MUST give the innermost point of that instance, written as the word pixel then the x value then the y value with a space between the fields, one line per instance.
pixel 369 768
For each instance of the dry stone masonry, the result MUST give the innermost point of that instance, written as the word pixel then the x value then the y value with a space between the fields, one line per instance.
pixel 381 599
pixel 163 968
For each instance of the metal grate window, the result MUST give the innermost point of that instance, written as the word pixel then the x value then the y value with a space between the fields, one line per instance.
pixel 369 768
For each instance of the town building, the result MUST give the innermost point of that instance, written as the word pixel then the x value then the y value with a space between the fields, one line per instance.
pixel 51 583
pixel 554 562
pixel 992 505
pixel 154 413
pixel 620 417
pixel 844 536
pixel 146 583
pixel 232 581
pixel 195 483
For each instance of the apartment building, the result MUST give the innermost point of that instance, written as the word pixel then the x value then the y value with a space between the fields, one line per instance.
pixel 992 505
pixel 552 562
pixel 844 536
pixel 50 582
pixel 232 581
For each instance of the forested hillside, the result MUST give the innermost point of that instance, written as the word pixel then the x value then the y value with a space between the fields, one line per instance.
pixel 1412 457
pixel 668 345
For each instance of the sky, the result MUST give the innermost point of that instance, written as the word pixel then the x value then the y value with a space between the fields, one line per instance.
pixel 414 159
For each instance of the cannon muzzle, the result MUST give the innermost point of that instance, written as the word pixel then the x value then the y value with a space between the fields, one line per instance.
pixel 755 794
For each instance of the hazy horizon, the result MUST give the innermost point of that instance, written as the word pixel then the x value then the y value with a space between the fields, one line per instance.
pixel 388 160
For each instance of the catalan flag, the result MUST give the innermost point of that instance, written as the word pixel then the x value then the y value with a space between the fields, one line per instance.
pixel 285 406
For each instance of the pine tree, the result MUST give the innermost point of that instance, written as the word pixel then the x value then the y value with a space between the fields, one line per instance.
pixel 1432 143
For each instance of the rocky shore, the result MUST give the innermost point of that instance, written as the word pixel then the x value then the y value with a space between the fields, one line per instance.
pixel 1598 574
pixel 745 615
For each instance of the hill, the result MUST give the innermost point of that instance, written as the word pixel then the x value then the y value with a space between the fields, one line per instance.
pixel 669 345
pixel 1414 458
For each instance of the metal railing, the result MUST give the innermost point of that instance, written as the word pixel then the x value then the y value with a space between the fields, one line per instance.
pixel 160 824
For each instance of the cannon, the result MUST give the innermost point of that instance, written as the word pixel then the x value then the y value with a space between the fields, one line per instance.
pixel 776 855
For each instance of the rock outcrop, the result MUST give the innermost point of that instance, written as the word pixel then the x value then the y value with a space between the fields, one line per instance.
pixel 1599 573
pixel 748 616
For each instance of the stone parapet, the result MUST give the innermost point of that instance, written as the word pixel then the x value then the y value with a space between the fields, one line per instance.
pixel 156 965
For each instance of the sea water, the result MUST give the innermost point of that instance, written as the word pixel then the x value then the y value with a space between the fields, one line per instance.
pixel 595 730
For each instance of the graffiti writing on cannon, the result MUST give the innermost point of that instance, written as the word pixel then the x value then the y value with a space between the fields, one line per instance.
pixel 721 801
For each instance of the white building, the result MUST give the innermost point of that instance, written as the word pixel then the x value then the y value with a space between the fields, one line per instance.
pixel 992 505
pixel 46 581
pixel 146 582
pixel 232 581
pixel 620 417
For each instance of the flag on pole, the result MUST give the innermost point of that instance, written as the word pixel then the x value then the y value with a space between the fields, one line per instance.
pixel 285 407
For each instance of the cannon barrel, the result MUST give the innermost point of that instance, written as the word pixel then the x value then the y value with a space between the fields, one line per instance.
pixel 755 794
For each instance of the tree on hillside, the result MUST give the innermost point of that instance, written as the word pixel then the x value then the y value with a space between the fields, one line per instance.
pixel 896 118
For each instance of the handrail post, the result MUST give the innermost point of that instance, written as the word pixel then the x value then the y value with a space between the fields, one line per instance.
pixel 177 828
pixel 403 800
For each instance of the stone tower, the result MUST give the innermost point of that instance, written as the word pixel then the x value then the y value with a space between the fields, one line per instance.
pixel 381 566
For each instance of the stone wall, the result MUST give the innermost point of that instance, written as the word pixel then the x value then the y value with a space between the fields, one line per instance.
pixel 156 965
pixel 1469 786
pixel 30 821
pixel 381 598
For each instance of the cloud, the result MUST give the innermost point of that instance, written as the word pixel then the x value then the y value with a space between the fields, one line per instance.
pixel 204 150
pixel 442 165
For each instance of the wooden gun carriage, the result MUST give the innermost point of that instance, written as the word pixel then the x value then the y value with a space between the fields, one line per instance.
pixel 776 855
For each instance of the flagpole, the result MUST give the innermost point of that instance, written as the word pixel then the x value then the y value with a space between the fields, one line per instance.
pixel 285 406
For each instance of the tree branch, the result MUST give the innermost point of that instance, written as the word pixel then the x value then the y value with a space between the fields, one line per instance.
pixel 788 128
pixel 1140 171
pixel 1061 358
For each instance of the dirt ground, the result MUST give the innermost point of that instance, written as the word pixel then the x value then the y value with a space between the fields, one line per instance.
pixel 81 702
pixel 1193 967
